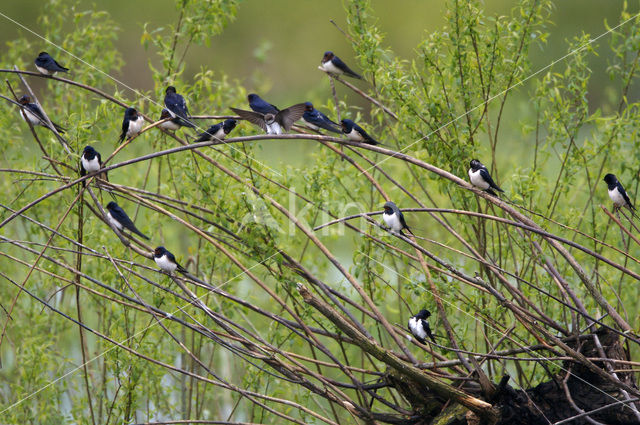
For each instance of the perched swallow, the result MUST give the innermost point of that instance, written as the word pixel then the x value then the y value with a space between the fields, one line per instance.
pixel 172 124
pixel 90 161
pixel 177 106
pixel 394 219
pixel 120 219
pixel 334 65
pixel 419 326
pixel 257 104
pixel 47 65
pixel 617 193
pixel 356 133
pixel 131 124
pixel 316 120
pixel 480 177
pixel 273 123
pixel 217 131
pixel 166 261
pixel 32 113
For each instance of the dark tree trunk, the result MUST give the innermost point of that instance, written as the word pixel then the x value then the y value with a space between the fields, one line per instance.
pixel 543 404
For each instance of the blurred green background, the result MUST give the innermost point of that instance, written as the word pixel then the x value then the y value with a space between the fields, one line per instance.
pixel 277 44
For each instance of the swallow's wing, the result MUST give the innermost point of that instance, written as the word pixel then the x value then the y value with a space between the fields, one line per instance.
pixel 326 119
pixel 60 67
pixel 263 107
pixel 209 134
pixel 253 117
pixel 343 66
pixel 625 196
pixel 427 329
pixel 33 108
pixel 288 116
pixel 322 121
pixel 365 135
pixel 122 217
pixel 484 173
pixel 176 104
pixel 172 258
pixel 402 222
pixel 125 128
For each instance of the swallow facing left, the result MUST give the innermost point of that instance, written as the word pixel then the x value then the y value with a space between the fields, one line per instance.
pixel 177 106
pixel 356 133
pixel 257 104
pixel 131 124
pixel 274 123
pixel 334 65
pixel 121 220
pixel 167 261
pixel 419 326
pixel 90 161
pixel 480 177
pixel 48 65
pixel 173 124
pixel 217 131
pixel 617 194
pixel 394 219
pixel 32 113
pixel 316 120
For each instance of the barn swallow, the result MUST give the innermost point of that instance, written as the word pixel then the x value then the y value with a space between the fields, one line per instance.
pixel 47 65
pixel 419 326
pixel 218 131
pixel 617 194
pixel 32 113
pixel 172 124
pixel 257 104
pixel 315 119
pixel 273 123
pixel 356 133
pixel 167 261
pixel 480 177
pixel 131 124
pixel 90 161
pixel 177 106
pixel 394 219
pixel 334 65
pixel 121 220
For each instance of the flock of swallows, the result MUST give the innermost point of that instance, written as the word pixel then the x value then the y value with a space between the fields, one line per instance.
pixel 272 120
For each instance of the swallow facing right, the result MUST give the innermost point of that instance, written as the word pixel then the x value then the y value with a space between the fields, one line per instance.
pixel 315 119
pixel 419 326
pixel 480 177
pixel 356 133
pixel 218 131
pixel 172 125
pixel 257 104
pixel 177 106
pixel 273 123
pixel 47 65
pixel 131 124
pixel 32 113
pixel 167 261
pixel 334 65
pixel 121 220
pixel 617 194
pixel 394 219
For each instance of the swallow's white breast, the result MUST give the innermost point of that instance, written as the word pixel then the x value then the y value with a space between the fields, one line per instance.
pixel 477 180
pixel 164 263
